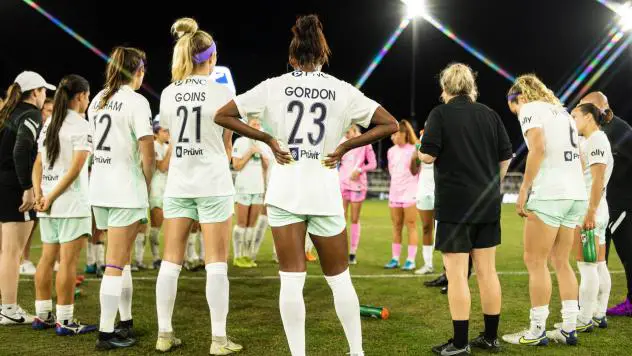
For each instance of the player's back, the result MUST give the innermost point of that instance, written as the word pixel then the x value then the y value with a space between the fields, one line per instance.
pixel 199 165
pixel 117 179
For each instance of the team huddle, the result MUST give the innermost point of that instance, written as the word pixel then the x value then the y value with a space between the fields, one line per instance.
pixel 300 129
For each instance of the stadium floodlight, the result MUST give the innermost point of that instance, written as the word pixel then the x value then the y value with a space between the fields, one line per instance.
pixel 625 16
pixel 415 8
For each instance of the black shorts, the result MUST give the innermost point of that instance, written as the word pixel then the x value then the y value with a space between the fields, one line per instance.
pixel 10 205
pixel 463 238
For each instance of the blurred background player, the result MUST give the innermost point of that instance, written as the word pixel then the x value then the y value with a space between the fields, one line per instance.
pixel 553 209
pixel 119 185
pixel 60 180
pixel 20 124
pixel 47 110
pixel 293 209
pixel 354 185
pixel 250 160
pixel 401 195
pixel 425 205
pixel 199 184
pixel 95 248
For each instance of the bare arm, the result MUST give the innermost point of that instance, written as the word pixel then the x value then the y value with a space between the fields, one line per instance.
pixel 598 172
pixel 163 165
pixel 535 137
pixel 78 160
pixel 228 143
pixel 415 167
pixel 426 158
pixel 36 177
pixel 146 144
pixel 504 166
pixel 240 162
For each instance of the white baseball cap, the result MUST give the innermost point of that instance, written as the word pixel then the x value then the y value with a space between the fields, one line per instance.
pixel 31 80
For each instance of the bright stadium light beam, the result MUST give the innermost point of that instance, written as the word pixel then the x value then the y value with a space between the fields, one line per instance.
pixel 81 40
pixel 415 8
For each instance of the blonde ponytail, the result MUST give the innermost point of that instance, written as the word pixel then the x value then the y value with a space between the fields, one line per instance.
pixel 190 41
pixel 531 88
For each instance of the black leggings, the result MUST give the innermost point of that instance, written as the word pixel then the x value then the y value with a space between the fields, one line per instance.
pixel 622 238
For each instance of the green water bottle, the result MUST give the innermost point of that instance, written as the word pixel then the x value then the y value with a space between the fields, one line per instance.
pixel 374 312
pixel 417 148
pixel 588 246
pixel 77 292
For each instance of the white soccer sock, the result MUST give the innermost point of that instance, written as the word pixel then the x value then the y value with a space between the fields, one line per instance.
pixel 348 309
pixel 238 241
pixel 605 284
pixel 588 290
pixel 427 254
pixel 65 313
pixel 260 232
pixel 249 236
pixel 202 255
pixel 570 310
pixel 127 290
pixel 191 251
pixel 538 316
pixel 166 291
pixel 292 307
pixel 90 254
pixel 217 287
pixel 43 308
pixel 110 294
pixel 100 251
pixel 139 250
pixel 309 245
pixel 155 243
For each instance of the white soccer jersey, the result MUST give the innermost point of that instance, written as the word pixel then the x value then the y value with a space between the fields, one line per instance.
pixel 250 179
pixel 159 179
pixel 426 185
pixel 596 150
pixel 117 178
pixel 199 166
pixel 74 135
pixel 308 112
pixel 560 176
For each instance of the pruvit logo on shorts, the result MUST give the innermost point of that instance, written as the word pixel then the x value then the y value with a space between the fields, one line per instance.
pixel 570 156
pixel 598 153
pixel 182 152
pixel 298 154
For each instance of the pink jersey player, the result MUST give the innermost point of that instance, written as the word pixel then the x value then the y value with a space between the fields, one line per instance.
pixel 403 189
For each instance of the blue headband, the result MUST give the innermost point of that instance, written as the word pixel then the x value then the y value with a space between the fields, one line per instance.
pixel 205 55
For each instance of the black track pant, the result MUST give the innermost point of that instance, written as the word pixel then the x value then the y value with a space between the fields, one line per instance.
pixel 620 233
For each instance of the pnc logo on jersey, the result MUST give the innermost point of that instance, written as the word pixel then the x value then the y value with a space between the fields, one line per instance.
pixel 181 152
pixel 569 156
pixel 598 152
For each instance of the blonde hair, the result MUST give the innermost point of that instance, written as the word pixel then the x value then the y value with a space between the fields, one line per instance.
pixel 531 89
pixel 191 41
pixel 459 79
pixel 406 128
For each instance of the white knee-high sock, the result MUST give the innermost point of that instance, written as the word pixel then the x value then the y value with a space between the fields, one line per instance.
pixel 570 311
pixel 200 238
pixel 127 290
pixel 292 307
pixel 238 241
pixel 605 284
pixel 110 294
pixel 348 309
pixel 166 291
pixel 217 296
pixel 427 254
pixel 191 251
pixel 588 290
pixel 260 232
pixel 90 255
pixel 100 254
pixel 155 242
pixel 139 250
pixel 309 245
pixel 249 236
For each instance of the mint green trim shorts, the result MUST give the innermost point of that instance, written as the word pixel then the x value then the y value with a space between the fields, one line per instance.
pixel 118 217
pixel 249 199
pixel 556 213
pixel 206 210
pixel 64 230
pixel 319 225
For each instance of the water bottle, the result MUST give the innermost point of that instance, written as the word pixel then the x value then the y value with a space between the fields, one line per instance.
pixel 588 245
pixel 374 312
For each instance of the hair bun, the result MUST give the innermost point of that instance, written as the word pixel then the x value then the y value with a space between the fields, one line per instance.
pixel 307 25
pixel 184 26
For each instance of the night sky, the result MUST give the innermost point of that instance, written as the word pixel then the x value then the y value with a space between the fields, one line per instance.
pixel 548 37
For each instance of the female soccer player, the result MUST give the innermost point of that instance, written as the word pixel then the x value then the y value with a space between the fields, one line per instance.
pixel 594 287
pixel 402 191
pixel 309 111
pixel 354 184
pixel 60 181
pixel 20 124
pixel 119 184
pixel 199 185
pixel 425 205
pixel 554 208
pixel 250 160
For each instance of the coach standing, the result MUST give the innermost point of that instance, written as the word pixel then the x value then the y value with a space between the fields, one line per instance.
pixel 618 194
pixel 471 151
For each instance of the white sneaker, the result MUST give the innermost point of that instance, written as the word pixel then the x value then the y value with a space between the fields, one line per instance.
pixel 20 317
pixel 27 268
pixel 562 337
pixel 167 342
pixel 581 327
pixel 525 338
pixel 56 268
pixel 224 346
pixel 424 270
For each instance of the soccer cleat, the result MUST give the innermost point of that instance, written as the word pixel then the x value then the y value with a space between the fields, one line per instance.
pixel 353 259
pixel 525 338
pixel 562 337
pixel 19 317
pixel 392 264
pixel 27 268
pixel 224 346
pixel 100 271
pixel 601 323
pixel 109 341
pixel 623 309
pixel 444 290
pixel 482 343
pixel 248 262
pixel 448 349
pixel 409 266
pixel 440 281
pixel 39 324
pixel 73 328
pixel 240 262
pixel 310 257
pixel 125 329
pixel 156 264
pixel 167 342
pixel 581 327
pixel 91 269
pixel 424 270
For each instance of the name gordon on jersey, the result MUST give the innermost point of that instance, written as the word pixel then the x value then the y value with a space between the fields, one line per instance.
pixel 311 93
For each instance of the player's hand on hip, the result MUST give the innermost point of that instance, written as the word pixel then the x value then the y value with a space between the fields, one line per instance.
pixel 280 155
pixel 334 158
pixel 521 203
